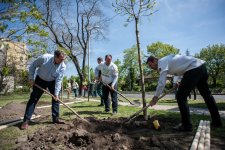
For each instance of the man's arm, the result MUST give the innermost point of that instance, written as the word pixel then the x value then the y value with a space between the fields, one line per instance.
pixel 37 63
pixel 58 80
pixel 115 75
pixel 160 87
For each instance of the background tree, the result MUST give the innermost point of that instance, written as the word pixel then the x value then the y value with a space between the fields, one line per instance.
pixel 135 9
pixel 215 61
pixel 130 67
pixel 160 49
pixel 68 25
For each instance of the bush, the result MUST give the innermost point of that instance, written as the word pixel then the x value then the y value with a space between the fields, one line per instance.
pixel 24 89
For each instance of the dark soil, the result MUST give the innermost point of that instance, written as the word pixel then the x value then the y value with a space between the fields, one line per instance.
pixel 103 134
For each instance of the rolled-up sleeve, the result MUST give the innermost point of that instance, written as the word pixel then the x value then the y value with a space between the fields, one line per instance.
pixel 161 83
pixel 59 79
pixel 37 63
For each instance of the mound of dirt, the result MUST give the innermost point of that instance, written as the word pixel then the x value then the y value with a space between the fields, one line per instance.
pixel 102 134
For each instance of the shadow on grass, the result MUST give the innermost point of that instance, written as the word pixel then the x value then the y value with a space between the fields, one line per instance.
pixel 86 106
pixel 86 113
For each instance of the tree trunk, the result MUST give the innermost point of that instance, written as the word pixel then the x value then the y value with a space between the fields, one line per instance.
pixel 140 68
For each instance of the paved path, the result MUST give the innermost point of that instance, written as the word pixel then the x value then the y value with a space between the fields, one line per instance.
pixel 171 96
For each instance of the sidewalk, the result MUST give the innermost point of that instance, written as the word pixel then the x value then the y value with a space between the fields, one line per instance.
pixel 198 111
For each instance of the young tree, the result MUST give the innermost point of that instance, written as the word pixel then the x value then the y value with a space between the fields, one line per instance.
pixel 135 9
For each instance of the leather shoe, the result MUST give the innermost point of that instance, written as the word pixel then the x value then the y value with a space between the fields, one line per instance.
pixel 24 125
pixel 182 128
pixel 58 122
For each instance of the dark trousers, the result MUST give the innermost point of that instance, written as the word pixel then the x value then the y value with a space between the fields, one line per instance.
pixel 99 91
pixel 75 92
pixel 196 78
pixel 105 96
pixel 35 96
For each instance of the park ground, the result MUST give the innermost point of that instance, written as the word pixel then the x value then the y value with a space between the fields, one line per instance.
pixel 103 130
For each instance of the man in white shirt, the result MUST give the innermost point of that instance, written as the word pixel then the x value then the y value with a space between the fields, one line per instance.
pixel 194 74
pixel 109 76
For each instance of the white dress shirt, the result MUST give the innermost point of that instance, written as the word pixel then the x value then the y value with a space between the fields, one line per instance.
pixel 174 65
pixel 109 73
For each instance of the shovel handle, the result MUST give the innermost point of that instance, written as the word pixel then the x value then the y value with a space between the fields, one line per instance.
pixel 59 101
pixel 134 115
pixel 118 93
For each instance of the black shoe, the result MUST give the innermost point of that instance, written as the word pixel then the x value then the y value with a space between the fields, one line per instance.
pixel 57 121
pixel 182 128
pixel 216 124
pixel 114 112
pixel 107 111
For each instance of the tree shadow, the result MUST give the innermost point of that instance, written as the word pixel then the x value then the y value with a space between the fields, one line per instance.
pixel 91 113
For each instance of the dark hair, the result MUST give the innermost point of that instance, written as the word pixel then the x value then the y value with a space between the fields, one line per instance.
pixel 108 55
pixel 151 59
pixel 57 53
pixel 100 59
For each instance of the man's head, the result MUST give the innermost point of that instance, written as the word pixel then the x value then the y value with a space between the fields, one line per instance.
pixel 59 56
pixel 99 60
pixel 108 59
pixel 152 62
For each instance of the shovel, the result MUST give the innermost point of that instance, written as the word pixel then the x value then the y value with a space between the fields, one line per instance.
pixel 138 112
pixel 136 104
pixel 60 102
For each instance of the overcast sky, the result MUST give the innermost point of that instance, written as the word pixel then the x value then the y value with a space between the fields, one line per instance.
pixel 185 24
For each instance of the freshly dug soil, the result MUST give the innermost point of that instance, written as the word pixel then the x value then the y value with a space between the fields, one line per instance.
pixel 103 134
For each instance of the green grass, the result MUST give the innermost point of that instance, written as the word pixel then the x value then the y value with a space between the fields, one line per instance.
pixel 5 99
pixel 90 109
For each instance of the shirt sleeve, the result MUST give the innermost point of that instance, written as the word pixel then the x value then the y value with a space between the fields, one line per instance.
pixel 97 69
pixel 58 80
pixel 115 75
pixel 161 83
pixel 37 63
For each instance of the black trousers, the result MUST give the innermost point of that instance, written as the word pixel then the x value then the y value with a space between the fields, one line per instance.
pixel 35 96
pixel 105 97
pixel 196 78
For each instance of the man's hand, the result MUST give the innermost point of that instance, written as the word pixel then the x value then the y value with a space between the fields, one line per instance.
pixel 31 82
pixel 56 98
pixel 112 87
pixel 153 101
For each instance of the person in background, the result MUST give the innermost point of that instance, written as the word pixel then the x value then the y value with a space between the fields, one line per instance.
pixel 109 78
pixel 75 88
pixel 68 88
pixel 50 70
pixel 194 74
pixel 97 78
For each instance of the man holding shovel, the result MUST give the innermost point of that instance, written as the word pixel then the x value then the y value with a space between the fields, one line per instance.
pixel 194 74
pixel 49 74
pixel 109 77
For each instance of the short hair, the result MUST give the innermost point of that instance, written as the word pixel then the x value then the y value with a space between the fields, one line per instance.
pixel 108 55
pixel 151 59
pixel 100 59
pixel 57 53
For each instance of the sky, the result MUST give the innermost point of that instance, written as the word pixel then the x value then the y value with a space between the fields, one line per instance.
pixel 185 24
